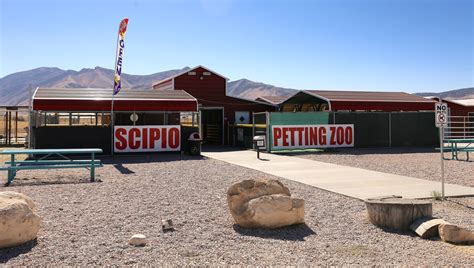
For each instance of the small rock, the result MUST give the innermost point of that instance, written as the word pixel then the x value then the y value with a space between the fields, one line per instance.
pixel 167 225
pixel 137 240
pixel 455 234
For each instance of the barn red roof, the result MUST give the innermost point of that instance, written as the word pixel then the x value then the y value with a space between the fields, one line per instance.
pixel 99 99
pixel 273 99
pixel 171 78
pixel 368 96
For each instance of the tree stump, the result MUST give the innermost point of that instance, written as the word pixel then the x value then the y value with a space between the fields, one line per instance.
pixel 395 212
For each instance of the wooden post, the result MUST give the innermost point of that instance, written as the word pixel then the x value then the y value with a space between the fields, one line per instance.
pixel 93 167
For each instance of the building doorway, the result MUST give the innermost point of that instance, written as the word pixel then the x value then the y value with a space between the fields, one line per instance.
pixel 212 125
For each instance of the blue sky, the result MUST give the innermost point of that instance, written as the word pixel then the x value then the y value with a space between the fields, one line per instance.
pixel 386 45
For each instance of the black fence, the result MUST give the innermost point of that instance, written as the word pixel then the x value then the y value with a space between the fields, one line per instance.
pixel 390 129
pixel 373 129
pixel 65 137
pixel 68 137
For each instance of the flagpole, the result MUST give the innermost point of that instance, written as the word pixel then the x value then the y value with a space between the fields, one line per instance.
pixel 112 103
pixel 117 80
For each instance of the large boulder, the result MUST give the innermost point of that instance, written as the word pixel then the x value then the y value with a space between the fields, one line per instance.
pixel 19 222
pixel 264 203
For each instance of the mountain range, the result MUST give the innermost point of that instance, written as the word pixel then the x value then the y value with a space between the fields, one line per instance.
pixel 17 88
pixel 457 94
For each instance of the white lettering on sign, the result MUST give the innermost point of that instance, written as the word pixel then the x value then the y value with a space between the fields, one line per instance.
pixel 147 138
pixel 441 114
pixel 312 136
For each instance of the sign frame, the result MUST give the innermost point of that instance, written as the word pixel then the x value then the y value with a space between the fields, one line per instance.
pixel 147 138
pixel 441 114
pixel 313 136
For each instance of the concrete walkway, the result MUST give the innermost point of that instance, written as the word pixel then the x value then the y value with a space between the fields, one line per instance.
pixel 354 182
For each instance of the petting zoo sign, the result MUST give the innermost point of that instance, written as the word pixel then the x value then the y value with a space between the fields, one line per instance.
pixel 312 136
pixel 147 138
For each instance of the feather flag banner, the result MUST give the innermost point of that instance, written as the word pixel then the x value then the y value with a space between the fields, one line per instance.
pixel 119 56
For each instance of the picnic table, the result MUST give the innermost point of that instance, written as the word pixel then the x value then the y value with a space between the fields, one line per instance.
pixel 460 145
pixel 49 160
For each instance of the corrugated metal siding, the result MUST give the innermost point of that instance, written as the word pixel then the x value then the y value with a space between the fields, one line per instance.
pixel 165 85
pixel 106 94
pixel 273 99
pixel 381 106
pixel 87 99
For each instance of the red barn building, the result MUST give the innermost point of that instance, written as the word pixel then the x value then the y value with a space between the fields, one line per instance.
pixel 332 100
pixel 458 107
pixel 218 111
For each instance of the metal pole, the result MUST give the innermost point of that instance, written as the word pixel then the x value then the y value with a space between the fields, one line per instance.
pixel 16 127
pixel 253 132
pixel 112 105
pixel 30 127
pixel 5 121
pixel 10 128
pixel 464 126
pixel 267 137
pixel 112 125
pixel 441 132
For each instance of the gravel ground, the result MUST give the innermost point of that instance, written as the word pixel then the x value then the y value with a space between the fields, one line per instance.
pixel 420 163
pixel 90 223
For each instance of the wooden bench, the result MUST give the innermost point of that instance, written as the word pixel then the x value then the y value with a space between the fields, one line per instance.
pixel 45 161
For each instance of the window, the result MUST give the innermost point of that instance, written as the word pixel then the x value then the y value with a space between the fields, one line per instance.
pixel 83 119
pixel 42 119
pixel 189 119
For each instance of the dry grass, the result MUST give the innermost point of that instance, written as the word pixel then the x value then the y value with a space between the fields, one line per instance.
pixel 21 127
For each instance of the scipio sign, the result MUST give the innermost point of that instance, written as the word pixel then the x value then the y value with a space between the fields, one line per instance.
pixel 147 139
pixel 441 113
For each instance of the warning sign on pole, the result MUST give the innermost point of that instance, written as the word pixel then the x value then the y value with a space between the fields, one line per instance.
pixel 441 117
pixel 441 113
